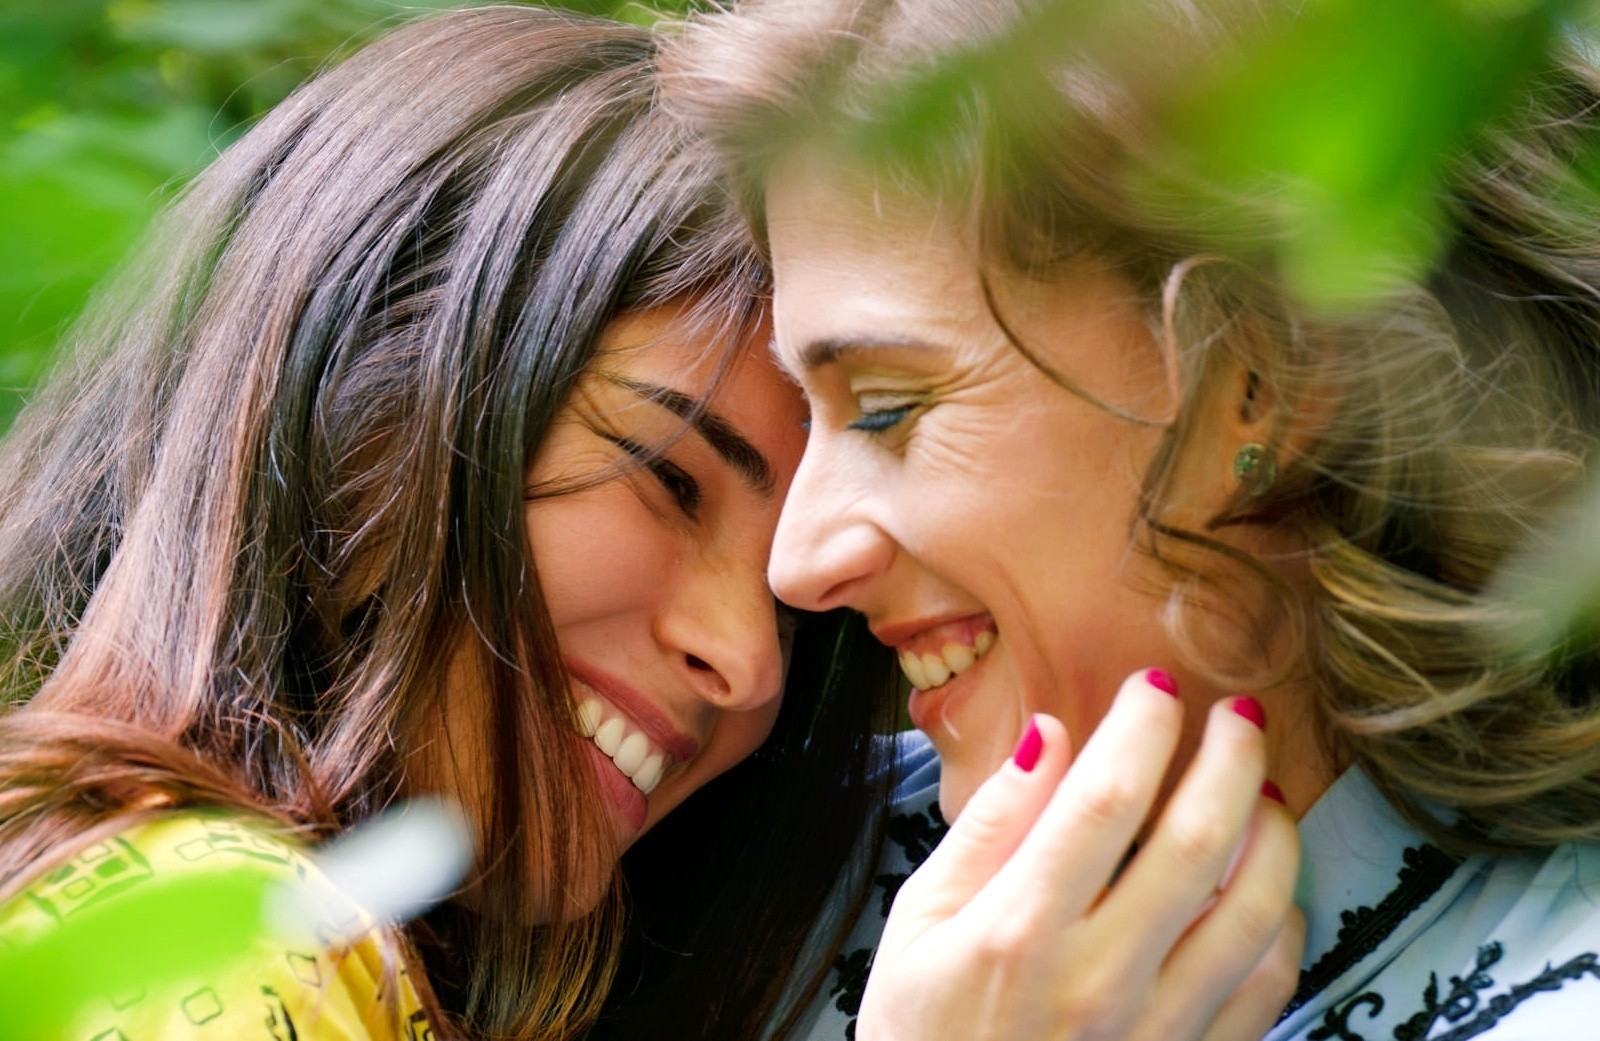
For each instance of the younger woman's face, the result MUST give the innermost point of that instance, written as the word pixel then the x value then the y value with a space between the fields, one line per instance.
pixel 651 516
pixel 655 579
pixel 976 512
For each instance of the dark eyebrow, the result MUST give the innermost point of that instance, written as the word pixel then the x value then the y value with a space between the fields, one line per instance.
pixel 828 350
pixel 734 448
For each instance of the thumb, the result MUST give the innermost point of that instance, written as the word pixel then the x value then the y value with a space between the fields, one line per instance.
pixel 990 827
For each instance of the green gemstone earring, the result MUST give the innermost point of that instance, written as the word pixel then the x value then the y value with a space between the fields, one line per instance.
pixel 1254 468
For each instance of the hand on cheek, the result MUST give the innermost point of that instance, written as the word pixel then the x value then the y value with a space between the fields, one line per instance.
pixel 1010 930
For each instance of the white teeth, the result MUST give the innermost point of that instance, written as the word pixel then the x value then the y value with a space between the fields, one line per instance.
pixel 609 736
pixel 629 749
pixel 926 671
pixel 959 657
pixel 632 754
pixel 649 775
pixel 589 715
pixel 911 665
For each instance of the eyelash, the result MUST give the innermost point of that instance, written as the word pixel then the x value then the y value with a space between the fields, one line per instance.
pixel 678 482
pixel 879 421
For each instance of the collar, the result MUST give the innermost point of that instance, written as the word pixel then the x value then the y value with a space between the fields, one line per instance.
pixel 1367 877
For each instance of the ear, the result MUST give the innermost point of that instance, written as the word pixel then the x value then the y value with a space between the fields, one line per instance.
pixel 1249 403
pixel 1235 442
pixel 1256 431
pixel 1239 408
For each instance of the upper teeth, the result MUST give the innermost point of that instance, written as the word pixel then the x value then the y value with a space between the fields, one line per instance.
pixel 617 736
pixel 932 670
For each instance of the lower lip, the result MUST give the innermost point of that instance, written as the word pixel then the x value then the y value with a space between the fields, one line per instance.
pixel 929 708
pixel 620 791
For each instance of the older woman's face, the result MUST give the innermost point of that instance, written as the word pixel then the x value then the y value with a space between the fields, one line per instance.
pixel 975 511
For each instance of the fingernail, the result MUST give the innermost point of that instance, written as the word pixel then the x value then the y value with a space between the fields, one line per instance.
pixel 1251 709
pixel 1027 754
pixel 1161 680
pixel 1273 792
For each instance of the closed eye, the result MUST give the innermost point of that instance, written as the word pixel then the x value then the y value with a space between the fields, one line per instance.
pixel 879 420
pixel 678 482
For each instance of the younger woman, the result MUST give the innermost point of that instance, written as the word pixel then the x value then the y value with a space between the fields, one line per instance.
pixel 420 454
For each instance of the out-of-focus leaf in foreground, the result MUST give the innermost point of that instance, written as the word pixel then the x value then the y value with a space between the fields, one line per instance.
pixel 1343 121
pixel 1320 135
pixel 108 106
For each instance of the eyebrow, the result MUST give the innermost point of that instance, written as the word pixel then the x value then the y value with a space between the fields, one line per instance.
pixel 826 351
pixel 733 447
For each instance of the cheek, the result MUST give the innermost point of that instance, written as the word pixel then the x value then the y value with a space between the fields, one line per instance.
pixel 598 552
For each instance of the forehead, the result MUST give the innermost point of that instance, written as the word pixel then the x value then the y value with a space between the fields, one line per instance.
pixel 857 262
pixel 669 347
pixel 853 255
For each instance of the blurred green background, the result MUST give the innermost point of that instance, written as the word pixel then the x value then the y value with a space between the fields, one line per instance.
pixel 106 106
pixel 1344 115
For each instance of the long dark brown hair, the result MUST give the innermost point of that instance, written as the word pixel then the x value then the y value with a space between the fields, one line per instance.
pixel 284 466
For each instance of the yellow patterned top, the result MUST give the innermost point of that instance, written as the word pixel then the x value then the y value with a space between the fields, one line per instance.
pixel 355 992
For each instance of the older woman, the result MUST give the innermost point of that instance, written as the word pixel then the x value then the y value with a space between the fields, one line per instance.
pixel 1057 437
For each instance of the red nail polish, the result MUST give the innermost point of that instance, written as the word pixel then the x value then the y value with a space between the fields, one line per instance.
pixel 1161 680
pixel 1027 754
pixel 1273 792
pixel 1251 709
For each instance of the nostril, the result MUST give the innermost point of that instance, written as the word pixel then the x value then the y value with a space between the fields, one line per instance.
pixel 699 664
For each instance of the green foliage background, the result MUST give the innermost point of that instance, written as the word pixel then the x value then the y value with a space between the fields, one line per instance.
pixel 107 106
pixel 1333 126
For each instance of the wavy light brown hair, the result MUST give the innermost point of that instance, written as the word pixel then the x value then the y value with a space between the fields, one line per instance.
pixel 1450 418
pixel 285 465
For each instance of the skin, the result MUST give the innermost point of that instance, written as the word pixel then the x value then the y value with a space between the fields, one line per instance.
pixel 659 602
pixel 988 493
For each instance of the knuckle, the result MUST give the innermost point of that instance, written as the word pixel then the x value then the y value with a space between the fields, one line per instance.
pixel 1272 982
pixel 1010 941
pixel 982 821
pixel 1102 1011
pixel 1277 975
pixel 1257 922
pixel 1110 802
pixel 1201 844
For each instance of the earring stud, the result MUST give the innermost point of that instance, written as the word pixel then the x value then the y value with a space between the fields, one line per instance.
pixel 1254 468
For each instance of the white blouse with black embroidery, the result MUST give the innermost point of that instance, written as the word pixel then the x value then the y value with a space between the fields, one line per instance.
pixel 1403 943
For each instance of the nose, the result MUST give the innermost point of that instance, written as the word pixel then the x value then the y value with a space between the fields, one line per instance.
pixel 826 551
pixel 722 632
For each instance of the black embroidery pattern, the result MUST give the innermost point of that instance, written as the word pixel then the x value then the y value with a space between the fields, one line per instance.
pixel 1463 1007
pixel 916 834
pixel 850 972
pixel 1423 870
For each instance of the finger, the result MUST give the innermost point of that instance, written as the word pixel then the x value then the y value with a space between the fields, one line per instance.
pixel 1255 1006
pixel 1065 862
pixel 992 824
pixel 1177 872
pixel 1239 939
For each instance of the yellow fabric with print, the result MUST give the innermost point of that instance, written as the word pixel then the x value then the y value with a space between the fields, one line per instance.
pixel 356 991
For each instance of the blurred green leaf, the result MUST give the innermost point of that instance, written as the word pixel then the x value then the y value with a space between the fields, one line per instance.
pixel 108 105
pixel 1346 119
